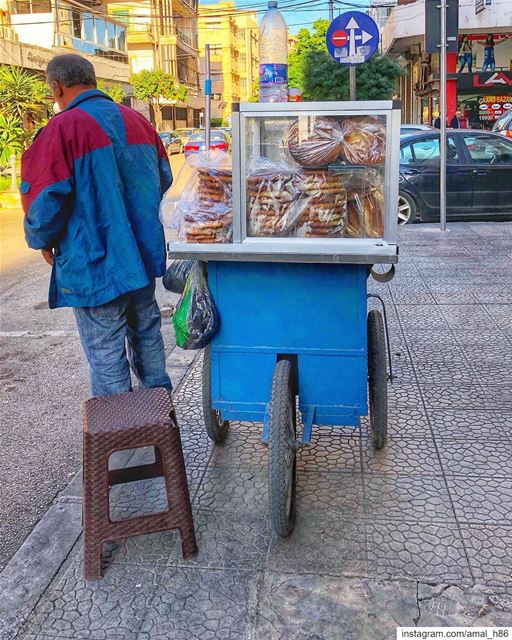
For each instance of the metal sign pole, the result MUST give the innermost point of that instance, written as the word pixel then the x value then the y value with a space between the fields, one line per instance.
pixel 442 117
pixel 352 82
pixel 331 10
pixel 208 100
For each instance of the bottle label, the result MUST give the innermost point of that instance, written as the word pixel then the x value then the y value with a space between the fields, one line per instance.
pixel 273 74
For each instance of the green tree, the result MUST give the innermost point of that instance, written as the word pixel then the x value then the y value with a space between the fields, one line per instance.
pixel 11 137
pixel 115 91
pixel 155 87
pixel 312 69
pixel 24 95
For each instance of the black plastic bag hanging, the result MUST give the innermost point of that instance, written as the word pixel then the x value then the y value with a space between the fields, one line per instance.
pixel 196 319
pixel 176 275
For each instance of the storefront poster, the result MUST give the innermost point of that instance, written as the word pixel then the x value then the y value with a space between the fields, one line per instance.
pixel 490 108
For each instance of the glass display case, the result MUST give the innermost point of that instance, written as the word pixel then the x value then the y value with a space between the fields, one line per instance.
pixel 310 182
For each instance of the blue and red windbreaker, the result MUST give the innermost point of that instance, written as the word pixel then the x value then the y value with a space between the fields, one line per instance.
pixel 91 186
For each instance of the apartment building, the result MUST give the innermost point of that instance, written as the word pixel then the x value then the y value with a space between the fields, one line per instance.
pixel 233 36
pixel 162 34
pixel 34 31
pixel 479 75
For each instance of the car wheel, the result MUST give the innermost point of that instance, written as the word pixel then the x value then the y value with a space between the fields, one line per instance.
pixel 407 208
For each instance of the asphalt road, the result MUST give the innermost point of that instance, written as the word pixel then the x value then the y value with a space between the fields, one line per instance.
pixel 43 382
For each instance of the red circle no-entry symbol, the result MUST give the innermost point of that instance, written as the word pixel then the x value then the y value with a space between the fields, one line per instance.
pixel 339 38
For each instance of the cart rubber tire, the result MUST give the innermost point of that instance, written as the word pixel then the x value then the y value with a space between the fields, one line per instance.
pixel 377 379
pixel 216 428
pixel 282 451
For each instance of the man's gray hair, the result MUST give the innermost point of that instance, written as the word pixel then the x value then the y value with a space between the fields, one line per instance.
pixel 70 70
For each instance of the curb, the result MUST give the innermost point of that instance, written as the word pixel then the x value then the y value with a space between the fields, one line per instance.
pixel 32 568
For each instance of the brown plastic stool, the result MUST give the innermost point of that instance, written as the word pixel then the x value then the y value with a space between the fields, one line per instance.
pixel 142 418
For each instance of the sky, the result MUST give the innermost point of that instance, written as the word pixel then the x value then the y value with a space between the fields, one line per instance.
pixel 302 13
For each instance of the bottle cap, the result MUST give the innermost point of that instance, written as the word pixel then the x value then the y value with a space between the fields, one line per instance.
pixel 272 4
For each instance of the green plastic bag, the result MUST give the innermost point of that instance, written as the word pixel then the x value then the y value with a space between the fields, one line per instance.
pixel 196 319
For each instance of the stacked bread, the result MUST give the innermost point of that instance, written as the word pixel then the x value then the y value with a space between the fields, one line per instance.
pixel 323 204
pixel 211 221
pixel 271 198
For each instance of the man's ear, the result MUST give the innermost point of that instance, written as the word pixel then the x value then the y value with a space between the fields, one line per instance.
pixel 57 89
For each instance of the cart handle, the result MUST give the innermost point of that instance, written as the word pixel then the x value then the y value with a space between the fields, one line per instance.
pixel 390 362
pixel 385 276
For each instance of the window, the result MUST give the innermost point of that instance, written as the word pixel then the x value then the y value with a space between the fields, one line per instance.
pixel 76 19
pixel 489 150
pixel 426 152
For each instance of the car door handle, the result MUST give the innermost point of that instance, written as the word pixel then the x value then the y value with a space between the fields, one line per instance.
pixel 478 172
pixel 410 172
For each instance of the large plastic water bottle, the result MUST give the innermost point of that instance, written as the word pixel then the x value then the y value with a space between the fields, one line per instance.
pixel 273 56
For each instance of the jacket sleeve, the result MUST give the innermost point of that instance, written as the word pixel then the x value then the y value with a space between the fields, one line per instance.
pixel 164 166
pixel 47 187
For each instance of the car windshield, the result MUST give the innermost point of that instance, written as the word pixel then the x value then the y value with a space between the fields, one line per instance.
pixel 215 135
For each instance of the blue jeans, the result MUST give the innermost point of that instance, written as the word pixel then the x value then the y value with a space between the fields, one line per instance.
pixel 122 334
pixel 467 59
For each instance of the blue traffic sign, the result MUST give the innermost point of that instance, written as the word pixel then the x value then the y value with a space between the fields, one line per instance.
pixel 352 37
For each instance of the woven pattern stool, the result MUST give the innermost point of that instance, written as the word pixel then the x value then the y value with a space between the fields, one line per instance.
pixel 143 418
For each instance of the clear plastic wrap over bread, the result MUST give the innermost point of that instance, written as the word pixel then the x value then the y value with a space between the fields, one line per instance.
pixel 287 202
pixel 365 204
pixel 315 141
pixel 364 140
pixel 272 198
pixel 322 203
pixel 203 211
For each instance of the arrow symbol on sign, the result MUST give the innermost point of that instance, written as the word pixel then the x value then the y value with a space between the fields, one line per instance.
pixel 364 37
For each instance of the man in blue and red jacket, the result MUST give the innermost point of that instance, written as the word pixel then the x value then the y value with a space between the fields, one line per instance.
pixel 91 186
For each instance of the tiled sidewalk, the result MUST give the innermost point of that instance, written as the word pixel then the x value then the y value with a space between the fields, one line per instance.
pixel 418 533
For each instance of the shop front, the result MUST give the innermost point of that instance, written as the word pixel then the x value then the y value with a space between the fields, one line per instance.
pixel 484 77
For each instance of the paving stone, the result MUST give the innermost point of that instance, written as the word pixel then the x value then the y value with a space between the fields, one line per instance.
pixel 426 317
pixel 228 541
pixel 482 499
pixel 408 422
pixel 452 294
pixel 498 395
pixel 488 548
pixel 501 314
pixel 113 607
pixel 445 605
pixel 323 607
pixel 488 293
pixel 399 455
pixel 320 545
pixel 467 457
pixel 465 317
pixel 339 495
pixel 201 605
pixel 471 425
pixel 419 550
pixel 330 453
pixel 243 446
pixel 407 497
pixel 453 396
pixel 239 491
pixel 404 395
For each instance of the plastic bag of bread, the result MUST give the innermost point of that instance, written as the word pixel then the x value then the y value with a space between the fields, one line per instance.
pixel 272 198
pixel 364 140
pixel 203 211
pixel 323 204
pixel 315 141
pixel 365 202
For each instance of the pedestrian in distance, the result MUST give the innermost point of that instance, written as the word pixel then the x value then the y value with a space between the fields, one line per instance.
pixel 437 123
pixel 456 122
pixel 92 182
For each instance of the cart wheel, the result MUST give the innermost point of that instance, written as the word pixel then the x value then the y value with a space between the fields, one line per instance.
pixel 282 452
pixel 377 379
pixel 216 428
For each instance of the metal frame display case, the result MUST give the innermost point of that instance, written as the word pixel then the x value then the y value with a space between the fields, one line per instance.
pixel 258 132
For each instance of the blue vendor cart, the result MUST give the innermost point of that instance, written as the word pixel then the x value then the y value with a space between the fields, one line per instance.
pixel 295 332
